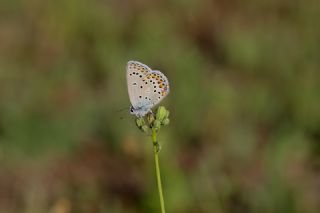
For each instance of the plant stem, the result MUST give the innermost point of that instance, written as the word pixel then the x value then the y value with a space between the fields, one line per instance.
pixel 156 161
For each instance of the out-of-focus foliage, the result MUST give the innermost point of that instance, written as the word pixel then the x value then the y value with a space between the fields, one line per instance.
pixel 245 106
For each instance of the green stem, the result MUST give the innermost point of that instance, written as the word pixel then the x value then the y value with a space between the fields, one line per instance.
pixel 156 161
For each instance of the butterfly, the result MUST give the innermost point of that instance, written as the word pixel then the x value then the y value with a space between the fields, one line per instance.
pixel 146 87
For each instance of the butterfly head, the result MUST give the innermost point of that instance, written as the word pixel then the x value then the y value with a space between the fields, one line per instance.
pixel 139 112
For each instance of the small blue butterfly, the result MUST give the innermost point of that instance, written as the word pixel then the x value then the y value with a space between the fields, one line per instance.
pixel 146 87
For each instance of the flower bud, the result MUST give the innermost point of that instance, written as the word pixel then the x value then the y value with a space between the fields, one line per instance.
pixel 140 122
pixel 165 121
pixel 161 113
pixel 167 115
pixel 156 124
pixel 145 128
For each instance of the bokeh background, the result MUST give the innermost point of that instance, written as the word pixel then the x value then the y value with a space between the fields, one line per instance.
pixel 245 106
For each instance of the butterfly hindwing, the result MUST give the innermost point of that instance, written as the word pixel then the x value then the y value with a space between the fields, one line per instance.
pixel 160 86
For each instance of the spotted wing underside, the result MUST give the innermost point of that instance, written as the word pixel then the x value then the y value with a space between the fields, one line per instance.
pixel 146 87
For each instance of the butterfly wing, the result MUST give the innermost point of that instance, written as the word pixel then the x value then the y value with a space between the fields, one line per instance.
pixel 146 87
pixel 137 84
pixel 160 86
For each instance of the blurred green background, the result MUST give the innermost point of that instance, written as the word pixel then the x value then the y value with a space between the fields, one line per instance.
pixel 245 106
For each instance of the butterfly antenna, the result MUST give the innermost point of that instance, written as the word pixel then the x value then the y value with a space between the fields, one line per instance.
pixel 121 110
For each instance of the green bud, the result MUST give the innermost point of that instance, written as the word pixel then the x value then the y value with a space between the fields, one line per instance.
pixel 140 122
pixel 161 113
pixel 167 115
pixel 145 128
pixel 156 124
pixel 165 121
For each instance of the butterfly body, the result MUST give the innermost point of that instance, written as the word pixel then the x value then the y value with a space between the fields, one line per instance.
pixel 146 87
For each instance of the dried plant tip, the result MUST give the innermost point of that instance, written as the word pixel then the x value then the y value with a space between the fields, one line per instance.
pixel 150 118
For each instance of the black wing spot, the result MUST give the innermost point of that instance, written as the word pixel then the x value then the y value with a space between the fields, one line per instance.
pixel 134 84
pixel 130 74
pixel 159 92
pixel 155 87
pixel 146 98
pixel 146 82
pixel 141 87
pixel 134 72
pixel 140 96
pixel 154 90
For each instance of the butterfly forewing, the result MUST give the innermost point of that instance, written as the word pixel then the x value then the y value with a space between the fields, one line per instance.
pixel 146 88
pixel 136 75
